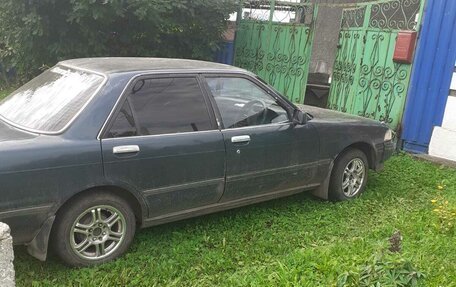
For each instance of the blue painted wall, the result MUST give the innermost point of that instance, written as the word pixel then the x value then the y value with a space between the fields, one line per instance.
pixel 431 77
pixel 226 53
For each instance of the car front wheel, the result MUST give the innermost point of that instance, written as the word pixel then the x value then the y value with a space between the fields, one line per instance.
pixel 93 229
pixel 349 175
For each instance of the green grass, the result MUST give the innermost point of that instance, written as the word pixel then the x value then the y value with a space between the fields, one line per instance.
pixel 295 241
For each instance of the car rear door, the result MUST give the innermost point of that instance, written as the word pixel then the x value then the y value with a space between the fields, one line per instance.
pixel 266 152
pixel 163 142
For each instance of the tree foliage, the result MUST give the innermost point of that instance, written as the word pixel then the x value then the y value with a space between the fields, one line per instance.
pixel 37 33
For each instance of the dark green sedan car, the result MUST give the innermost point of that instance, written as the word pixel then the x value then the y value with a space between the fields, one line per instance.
pixel 93 149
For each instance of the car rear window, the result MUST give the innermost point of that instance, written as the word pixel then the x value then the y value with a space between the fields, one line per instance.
pixel 50 101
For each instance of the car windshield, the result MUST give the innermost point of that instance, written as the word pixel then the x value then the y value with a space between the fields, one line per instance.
pixel 50 101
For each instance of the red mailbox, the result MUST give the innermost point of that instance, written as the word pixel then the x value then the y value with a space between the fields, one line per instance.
pixel 405 46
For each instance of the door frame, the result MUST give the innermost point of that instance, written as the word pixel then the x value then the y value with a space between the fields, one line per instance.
pixel 285 103
pixel 116 110
pixel 155 75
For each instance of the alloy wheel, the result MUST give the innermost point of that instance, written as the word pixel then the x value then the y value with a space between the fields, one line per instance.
pixel 353 177
pixel 98 232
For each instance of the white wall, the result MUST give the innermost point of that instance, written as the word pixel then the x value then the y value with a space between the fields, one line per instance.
pixel 453 82
pixel 449 118
pixel 443 141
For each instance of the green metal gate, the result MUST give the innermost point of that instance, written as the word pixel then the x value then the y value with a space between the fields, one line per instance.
pixel 274 40
pixel 366 81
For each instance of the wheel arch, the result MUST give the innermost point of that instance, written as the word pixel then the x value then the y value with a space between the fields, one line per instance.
pixel 365 147
pixel 39 246
pixel 323 190
pixel 138 205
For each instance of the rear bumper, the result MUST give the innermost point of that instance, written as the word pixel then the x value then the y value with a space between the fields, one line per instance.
pixel 25 223
pixel 383 152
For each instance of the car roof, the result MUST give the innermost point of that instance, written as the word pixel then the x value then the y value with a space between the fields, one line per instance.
pixel 124 65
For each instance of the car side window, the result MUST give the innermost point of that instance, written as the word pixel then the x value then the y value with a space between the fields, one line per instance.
pixel 242 103
pixel 124 124
pixel 168 105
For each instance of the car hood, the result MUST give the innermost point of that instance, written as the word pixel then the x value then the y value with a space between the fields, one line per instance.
pixel 9 133
pixel 334 116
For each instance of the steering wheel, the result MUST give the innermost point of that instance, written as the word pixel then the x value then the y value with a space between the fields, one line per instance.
pixel 256 106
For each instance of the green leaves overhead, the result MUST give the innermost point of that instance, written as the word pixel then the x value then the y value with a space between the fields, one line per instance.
pixel 36 33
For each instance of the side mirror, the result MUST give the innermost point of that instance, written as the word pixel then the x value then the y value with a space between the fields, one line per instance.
pixel 299 117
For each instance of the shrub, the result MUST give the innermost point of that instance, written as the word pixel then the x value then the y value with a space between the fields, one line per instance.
pixel 384 269
pixel 38 33
pixel 387 267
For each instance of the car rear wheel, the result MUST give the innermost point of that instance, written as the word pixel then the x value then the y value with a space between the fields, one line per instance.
pixel 93 229
pixel 349 176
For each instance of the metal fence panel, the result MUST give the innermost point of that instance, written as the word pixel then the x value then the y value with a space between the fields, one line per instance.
pixel 274 40
pixel 366 80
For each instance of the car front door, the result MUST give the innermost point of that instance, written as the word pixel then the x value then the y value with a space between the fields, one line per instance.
pixel 163 141
pixel 266 153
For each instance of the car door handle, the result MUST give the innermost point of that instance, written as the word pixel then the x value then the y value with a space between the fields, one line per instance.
pixel 123 149
pixel 240 139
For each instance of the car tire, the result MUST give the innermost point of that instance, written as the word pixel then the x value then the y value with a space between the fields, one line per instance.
pixel 93 229
pixel 349 175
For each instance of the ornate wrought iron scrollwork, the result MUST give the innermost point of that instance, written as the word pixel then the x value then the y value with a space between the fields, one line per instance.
pixel 366 80
pixel 344 70
pixel 353 18
pixel 276 46
pixel 251 53
pixel 369 81
pixel 285 61
pixel 381 85
pixel 395 15
pixel 394 87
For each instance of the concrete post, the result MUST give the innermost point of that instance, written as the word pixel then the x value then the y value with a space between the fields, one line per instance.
pixel 6 257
